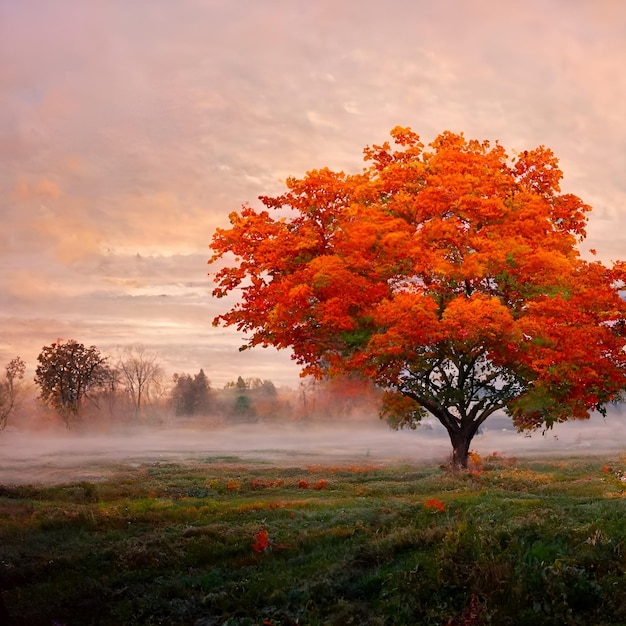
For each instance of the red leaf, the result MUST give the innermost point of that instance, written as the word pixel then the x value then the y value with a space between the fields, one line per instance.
pixel 261 541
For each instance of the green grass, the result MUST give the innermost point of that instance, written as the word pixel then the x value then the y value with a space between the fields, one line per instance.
pixel 519 542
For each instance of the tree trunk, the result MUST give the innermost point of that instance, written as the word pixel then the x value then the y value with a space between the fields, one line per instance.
pixel 461 431
pixel 138 407
pixel 460 451
pixel 461 440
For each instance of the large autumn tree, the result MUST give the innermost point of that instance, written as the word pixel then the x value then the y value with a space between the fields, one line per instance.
pixel 450 276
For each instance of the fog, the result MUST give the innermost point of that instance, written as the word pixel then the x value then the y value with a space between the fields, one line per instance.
pixel 52 456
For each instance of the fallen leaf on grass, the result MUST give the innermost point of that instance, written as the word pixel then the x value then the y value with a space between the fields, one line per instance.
pixel 261 541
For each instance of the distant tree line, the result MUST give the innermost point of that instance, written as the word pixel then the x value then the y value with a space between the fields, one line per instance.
pixel 73 379
pixel 78 383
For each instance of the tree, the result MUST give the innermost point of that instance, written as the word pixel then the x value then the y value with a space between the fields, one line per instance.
pixel 202 392
pixel 66 373
pixel 449 276
pixel 14 371
pixel 268 388
pixel 141 374
pixel 191 395
pixel 243 406
pixel 110 388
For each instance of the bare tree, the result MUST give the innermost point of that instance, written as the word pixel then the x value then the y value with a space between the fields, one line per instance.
pixel 14 371
pixel 141 375
pixel 111 389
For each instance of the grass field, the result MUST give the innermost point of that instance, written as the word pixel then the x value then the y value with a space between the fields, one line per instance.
pixel 226 542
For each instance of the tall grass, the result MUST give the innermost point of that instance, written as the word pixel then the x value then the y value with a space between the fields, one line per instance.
pixel 510 542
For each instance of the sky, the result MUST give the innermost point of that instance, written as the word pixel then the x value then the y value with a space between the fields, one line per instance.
pixel 129 130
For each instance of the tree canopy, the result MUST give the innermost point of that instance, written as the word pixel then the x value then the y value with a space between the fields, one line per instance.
pixel 191 394
pixel 66 373
pixel 448 274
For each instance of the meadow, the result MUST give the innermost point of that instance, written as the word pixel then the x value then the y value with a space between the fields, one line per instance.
pixel 221 541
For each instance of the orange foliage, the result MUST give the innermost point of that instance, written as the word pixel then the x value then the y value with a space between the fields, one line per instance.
pixel 261 541
pixel 475 462
pixel 435 505
pixel 449 275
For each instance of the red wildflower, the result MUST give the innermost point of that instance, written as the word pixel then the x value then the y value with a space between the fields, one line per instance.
pixel 261 541
pixel 435 505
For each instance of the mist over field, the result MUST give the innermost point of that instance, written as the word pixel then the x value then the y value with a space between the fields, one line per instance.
pixel 60 456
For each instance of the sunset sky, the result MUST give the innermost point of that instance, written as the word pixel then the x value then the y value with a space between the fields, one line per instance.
pixel 130 129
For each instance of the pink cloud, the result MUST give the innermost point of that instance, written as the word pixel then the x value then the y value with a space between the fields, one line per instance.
pixel 136 127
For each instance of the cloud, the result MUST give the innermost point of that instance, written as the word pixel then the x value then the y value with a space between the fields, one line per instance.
pixel 131 130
